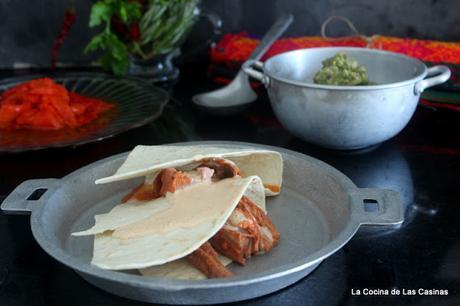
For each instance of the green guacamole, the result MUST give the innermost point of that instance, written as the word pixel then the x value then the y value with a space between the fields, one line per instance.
pixel 341 70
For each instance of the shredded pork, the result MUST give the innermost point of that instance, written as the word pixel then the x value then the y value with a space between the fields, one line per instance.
pixel 206 260
pixel 248 231
pixel 223 168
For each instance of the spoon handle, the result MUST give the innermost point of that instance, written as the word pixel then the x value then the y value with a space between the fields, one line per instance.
pixel 276 30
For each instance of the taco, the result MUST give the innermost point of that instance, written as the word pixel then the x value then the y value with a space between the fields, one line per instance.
pixel 148 160
pixel 190 218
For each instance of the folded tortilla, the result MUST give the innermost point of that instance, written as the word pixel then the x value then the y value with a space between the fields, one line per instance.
pixel 138 235
pixel 179 269
pixel 149 160
pixel 155 236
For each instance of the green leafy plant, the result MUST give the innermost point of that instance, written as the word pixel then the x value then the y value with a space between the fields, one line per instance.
pixel 142 28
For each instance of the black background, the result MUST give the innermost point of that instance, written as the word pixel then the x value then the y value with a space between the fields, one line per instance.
pixel 28 27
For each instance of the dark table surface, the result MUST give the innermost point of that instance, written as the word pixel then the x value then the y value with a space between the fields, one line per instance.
pixel 422 163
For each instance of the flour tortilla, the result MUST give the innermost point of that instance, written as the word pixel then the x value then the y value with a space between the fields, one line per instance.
pixel 125 214
pixel 135 211
pixel 152 249
pixel 149 160
pixel 179 269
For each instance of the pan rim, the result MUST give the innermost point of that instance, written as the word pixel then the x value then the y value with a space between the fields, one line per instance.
pixel 156 283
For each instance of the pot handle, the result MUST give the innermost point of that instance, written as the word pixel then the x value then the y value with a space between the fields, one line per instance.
pixel 372 206
pixel 439 74
pixel 29 194
pixel 250 66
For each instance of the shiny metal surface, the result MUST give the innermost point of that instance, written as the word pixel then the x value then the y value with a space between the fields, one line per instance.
pixel 345 117
pixel 318 211
pixel 229 99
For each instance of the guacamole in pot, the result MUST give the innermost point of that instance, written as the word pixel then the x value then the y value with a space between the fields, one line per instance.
pixel 341 70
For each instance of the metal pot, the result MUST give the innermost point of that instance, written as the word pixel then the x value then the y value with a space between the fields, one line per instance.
pixel 345 117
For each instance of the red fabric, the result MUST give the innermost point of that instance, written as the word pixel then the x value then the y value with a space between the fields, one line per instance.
pixel 233 49
pixel 440 105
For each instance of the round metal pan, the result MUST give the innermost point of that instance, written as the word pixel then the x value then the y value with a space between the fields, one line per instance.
pixel 317 212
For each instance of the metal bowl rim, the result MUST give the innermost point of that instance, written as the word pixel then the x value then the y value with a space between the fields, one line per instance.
pixel 411 81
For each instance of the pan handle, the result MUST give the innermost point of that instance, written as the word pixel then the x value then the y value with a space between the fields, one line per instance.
pixel 29 194
pixel 372 206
